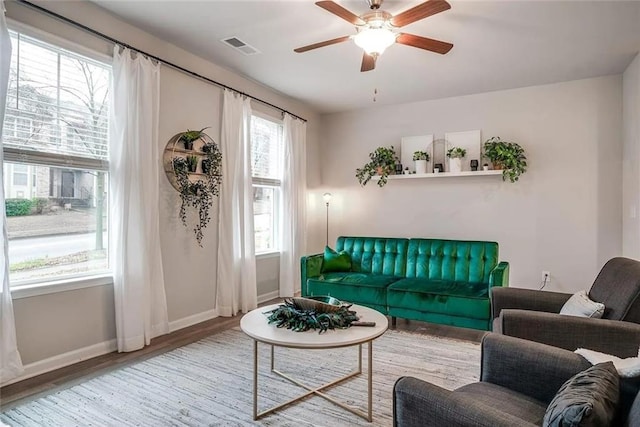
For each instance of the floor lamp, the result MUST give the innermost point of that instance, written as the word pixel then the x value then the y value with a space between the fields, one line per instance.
pixel 327 199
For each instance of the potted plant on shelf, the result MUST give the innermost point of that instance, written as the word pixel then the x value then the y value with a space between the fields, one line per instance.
pixel 382 163
pixel 192 162
pixel 455 155
pixel 188 137
pixel 508 156
pixel 420 159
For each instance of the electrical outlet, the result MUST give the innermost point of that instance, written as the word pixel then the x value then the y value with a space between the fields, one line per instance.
pixel 545 278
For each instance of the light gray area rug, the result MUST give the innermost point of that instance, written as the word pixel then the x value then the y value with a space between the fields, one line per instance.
pixel 210 383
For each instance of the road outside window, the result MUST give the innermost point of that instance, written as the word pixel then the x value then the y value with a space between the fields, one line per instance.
pixel 56 155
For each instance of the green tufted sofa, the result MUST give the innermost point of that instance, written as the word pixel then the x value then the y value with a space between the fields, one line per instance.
pixel 433 280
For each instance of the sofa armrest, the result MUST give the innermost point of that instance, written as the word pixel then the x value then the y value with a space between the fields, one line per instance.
pixel 526 299
pixel 499 276
pixel 417 403
pixel 534 369
pixel 310 266
pixel 615 337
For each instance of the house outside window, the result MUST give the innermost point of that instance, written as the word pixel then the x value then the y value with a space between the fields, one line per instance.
pixel 55 137
pixel 266 166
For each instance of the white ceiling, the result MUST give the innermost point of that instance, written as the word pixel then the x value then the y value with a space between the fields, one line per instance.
pixel 497 45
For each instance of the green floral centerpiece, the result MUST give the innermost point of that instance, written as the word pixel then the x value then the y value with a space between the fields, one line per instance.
pixel 292 315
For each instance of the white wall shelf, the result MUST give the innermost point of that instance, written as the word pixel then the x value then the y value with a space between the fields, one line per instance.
pixel 442 175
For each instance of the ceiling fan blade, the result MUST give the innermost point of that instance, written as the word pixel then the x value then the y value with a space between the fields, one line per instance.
pixel 424 43
pixel 340 11
pixel 368 62
pixel 322 44
pixel 419 12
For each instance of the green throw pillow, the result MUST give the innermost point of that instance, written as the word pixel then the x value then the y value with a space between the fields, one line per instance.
pixel 334 261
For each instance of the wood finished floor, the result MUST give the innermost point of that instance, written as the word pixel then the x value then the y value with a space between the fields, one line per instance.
pixel 35 387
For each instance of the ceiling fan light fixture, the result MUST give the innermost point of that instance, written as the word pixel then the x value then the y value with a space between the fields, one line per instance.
pixel 374 41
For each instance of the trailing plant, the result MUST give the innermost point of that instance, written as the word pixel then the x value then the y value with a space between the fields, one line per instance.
pixel 421 155
pixel 189 136
pixel 382 162
pixel 456 153
pixel 192 161
pixel 506 155
pixel 202 200
pixel 289 316
pixel 213 157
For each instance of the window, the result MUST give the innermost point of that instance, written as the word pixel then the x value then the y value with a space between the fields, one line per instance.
pixel 20 175
pixel 56 134
pixel 266 167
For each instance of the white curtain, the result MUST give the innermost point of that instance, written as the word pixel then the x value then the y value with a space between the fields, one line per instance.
pixel 294 188
pixel 236 288
pixel 141 305
pixel 10 362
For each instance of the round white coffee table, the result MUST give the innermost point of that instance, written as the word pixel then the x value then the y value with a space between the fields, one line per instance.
pixel 255 325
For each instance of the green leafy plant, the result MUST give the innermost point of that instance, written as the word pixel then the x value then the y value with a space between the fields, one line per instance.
pixel 508 156
pixel 382 162
pixel 188 137
pixel 289 316
pixel 213 159
pixel 421 155
pixel 39 204
pixel 456 153
pixel 18 207
pixel 192 162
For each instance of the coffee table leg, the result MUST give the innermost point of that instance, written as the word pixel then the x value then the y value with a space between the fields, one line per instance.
pixel 272 358
pixel 369 379
pixel 360 358
pixel 255 379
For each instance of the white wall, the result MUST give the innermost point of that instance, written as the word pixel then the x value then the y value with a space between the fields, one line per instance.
pixel 564 215
pixel 48 326
pixel 631 160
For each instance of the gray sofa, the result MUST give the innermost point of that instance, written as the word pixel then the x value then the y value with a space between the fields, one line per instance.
pixel 533 315
pixel 518 380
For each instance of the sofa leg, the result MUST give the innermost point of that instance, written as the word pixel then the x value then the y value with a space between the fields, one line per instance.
pixel 393 322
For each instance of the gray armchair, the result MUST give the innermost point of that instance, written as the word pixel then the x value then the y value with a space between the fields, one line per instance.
pixel 518 380
pixel 533 315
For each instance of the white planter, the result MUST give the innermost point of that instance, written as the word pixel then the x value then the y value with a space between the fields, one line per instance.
pixel 455 164
pixel 421 166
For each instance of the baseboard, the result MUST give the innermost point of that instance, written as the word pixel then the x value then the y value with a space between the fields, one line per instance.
pixel 192 320
pixel 268 296
pixel 61 360
pixel 65 359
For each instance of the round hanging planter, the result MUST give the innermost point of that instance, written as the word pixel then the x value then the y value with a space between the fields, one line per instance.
pixel 196 189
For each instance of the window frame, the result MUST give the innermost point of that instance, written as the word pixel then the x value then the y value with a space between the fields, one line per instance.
pixel 33 287
pixel 276 185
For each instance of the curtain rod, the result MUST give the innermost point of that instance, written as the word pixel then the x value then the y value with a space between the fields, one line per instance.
pixel 160 60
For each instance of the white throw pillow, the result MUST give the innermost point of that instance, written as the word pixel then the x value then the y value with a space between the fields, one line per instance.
pixel 580 305
pixel 627 368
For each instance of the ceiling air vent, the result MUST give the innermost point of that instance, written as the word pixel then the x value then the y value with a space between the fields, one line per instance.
pixel 238 44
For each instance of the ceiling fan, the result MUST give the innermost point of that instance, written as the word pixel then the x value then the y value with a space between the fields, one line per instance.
pixel 376 29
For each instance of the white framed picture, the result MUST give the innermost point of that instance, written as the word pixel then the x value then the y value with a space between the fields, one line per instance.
pixel 411 144
pixel 470 141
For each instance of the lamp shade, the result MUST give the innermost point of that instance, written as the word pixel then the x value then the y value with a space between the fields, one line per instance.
pixel 375 40
pixel 326 197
